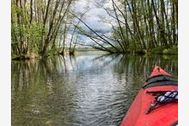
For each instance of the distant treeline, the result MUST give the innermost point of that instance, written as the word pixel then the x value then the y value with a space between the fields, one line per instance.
pixel 40 27
pixel 141 25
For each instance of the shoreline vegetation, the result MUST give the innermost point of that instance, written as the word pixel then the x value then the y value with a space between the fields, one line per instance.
pixel 156 51
pixel 43 28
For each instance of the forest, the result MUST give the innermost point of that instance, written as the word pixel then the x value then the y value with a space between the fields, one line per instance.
pixel 40 28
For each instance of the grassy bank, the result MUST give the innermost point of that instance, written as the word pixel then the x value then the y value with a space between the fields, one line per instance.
pixel 165 51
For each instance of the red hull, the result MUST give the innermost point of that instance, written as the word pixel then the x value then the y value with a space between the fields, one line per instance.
pixel 165 115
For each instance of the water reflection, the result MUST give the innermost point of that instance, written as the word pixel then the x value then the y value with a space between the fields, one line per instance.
pixel 79 91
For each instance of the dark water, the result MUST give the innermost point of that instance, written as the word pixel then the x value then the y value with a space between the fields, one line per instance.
pixel 85 90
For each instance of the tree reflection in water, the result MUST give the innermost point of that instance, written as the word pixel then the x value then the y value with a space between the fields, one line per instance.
pixel 83 90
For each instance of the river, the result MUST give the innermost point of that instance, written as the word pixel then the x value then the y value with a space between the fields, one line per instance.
pixel 89 89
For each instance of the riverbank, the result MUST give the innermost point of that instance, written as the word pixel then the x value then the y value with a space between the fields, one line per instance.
pixel 158 50
pixel 165 51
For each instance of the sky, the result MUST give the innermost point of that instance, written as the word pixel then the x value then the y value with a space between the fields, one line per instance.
pixel 94 17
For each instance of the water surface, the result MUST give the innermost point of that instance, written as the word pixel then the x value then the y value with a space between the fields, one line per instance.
pixel 88 89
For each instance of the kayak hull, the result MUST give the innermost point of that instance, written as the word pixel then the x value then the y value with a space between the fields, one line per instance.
pixel 166 115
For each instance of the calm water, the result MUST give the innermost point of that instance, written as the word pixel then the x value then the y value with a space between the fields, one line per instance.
pixel 88 89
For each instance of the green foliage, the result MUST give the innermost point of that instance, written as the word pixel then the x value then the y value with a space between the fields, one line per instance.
pixel 34 35
pixel 173 50
pixel 35 26
pixel 164 50
pixel 158 50
pixel 136 30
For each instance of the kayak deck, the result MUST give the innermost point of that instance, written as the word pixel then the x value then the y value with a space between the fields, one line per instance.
pixel 164 115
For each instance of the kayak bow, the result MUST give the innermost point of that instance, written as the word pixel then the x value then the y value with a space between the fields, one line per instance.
pixel 148 108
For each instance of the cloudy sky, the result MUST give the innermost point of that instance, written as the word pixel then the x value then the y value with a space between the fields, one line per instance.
pixel 95 16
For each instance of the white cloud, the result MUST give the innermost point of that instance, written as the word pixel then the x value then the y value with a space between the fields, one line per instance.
pixel 96 18
pixel 79 6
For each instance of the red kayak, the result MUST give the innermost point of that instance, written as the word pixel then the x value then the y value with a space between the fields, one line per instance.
pixel 156 103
